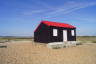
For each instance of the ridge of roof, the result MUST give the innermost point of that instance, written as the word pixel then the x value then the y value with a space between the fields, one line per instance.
pixel 57 24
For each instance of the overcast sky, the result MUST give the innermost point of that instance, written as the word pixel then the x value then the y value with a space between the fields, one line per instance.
pixel 21 17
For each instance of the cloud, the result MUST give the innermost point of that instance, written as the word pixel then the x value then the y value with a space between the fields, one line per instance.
pixel 41 3
pixel 51 12
pixel 33 12
pixel 69 8
pixel 86 19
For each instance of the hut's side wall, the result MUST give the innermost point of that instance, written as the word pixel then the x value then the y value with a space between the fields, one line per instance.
pixel 42 34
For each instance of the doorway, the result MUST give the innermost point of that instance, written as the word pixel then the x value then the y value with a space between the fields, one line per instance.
pixel 64 35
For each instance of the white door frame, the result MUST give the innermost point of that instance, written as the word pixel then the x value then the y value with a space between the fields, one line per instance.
pixel 64 35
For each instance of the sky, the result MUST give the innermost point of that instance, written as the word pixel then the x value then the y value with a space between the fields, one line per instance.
pixel 21 17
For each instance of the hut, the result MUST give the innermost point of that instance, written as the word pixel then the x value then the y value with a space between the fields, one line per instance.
pixel 49 31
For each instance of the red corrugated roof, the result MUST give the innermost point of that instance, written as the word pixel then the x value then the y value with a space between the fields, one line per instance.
pixel 57 24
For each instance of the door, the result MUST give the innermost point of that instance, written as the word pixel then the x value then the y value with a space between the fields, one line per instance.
pixel 64 35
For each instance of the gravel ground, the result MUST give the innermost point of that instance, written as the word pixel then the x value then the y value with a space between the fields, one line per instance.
pixel 27 52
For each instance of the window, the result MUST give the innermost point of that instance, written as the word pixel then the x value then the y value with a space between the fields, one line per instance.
pixel 55 32
pixel 72 32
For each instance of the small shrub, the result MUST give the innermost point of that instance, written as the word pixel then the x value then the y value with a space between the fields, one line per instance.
pixel 93 41
pixel 64 46
pixel 79 43
pixel 56 47
pixel 3 46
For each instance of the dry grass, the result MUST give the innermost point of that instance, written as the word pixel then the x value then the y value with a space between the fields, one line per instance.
pixel 86 38
pixel 27 52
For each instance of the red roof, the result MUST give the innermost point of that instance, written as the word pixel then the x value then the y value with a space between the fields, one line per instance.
pixel 57 24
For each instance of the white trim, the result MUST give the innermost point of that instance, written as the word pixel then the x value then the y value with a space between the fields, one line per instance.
pixel 55 32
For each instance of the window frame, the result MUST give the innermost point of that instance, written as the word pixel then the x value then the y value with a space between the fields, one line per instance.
pixel 72 32
pixel 55 32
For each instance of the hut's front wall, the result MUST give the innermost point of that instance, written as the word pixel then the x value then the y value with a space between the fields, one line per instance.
pixel 59 37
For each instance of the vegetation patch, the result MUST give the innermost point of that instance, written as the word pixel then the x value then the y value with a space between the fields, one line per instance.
pixel 93 41
pixel 86 39
pixel 11 38
pixel 4 46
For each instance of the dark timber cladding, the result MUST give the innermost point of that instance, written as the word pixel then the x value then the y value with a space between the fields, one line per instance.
pixel 48 31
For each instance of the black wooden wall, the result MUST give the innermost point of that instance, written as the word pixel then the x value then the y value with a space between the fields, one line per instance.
pixel 59 38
